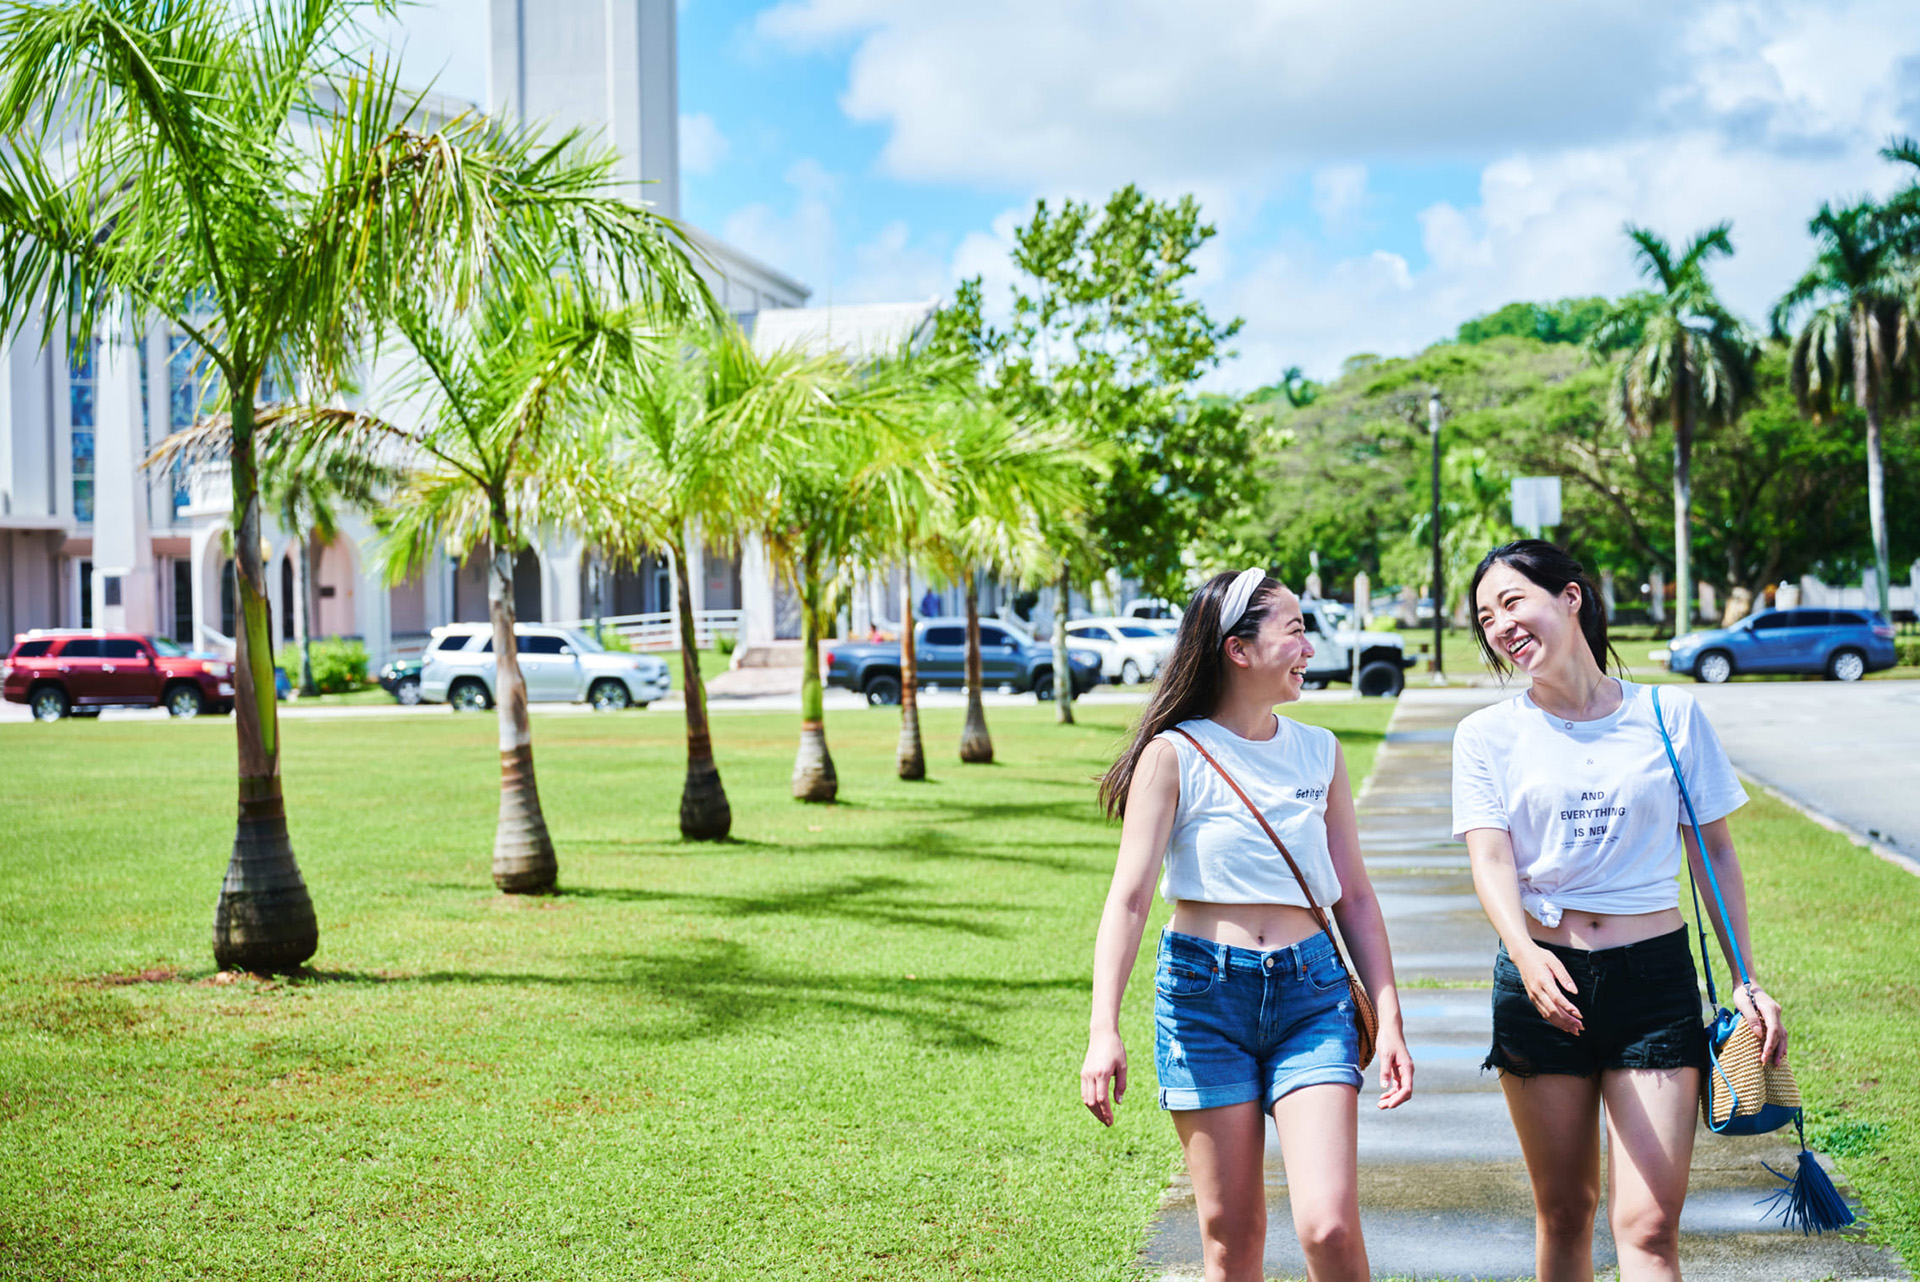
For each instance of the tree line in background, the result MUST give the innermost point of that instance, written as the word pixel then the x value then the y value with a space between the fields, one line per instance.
pixel 1684 436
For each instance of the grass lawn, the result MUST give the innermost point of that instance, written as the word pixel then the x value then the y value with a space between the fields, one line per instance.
pixel 1838 933
pixel 843 1046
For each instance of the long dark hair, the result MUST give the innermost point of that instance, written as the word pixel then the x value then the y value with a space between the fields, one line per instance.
pixel 1193 677
pixel 1549 567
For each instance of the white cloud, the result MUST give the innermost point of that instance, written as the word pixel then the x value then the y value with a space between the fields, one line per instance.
pixel 1580 116
pixel 804 240
pixel 1339 192
pixel 702 145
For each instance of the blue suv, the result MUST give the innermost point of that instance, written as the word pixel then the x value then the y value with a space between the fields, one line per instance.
pixel 1843 644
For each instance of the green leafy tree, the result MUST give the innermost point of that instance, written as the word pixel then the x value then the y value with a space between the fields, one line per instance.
pixel 222 166
pixel 1570 320
pixel 1859 335
pixel 1684 359
pixel 1104 334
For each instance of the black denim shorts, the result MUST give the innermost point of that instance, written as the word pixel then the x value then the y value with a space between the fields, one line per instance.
pixel 1639 1004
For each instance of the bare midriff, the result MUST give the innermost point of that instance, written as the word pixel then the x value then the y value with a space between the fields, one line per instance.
pixel 1260 926
pixel 1594 931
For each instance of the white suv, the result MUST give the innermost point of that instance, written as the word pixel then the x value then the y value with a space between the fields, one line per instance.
pixel 1130 650
pixel 560 665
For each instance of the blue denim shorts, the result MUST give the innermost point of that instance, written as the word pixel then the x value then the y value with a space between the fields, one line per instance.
pixel 1236 1024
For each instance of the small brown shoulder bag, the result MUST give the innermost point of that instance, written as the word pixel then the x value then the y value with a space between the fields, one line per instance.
pixel 1366 1020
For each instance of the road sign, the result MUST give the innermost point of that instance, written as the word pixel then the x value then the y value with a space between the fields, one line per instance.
pixel 1536 503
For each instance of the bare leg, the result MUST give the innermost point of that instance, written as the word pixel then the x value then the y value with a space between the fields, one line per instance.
pixel 1225 1150
pixel 1650 1128
pixel 1557 1117
pixel 1319 1139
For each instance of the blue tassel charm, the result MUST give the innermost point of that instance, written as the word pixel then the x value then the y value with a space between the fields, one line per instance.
pixel 1808 1201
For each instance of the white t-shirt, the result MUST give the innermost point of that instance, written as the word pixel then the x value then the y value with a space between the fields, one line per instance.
pixel 1217 852
pixel 1592 806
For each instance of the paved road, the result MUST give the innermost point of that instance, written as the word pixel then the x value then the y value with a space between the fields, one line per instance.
pixel 1849 751
pixel 1443 1190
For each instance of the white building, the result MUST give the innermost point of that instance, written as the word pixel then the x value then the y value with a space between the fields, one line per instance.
pixel 89 539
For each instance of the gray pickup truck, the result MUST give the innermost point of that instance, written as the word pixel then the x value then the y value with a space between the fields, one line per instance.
pixel 1008 657
pixel 1383 659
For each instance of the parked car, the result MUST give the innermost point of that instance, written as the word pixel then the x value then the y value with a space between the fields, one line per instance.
pixel 69 672
pixel 1845 645
pixel 1130 651
pixel 1383 660
pixel 560 665
pixel 1008 657
pixel 1142 607
pixel 401 679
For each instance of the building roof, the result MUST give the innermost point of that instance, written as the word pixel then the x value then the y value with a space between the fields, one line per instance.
pixel 861 332
pixel 726 256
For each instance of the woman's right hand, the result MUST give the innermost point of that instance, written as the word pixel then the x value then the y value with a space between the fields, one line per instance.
pixel 1548 988
pixel 1106 1065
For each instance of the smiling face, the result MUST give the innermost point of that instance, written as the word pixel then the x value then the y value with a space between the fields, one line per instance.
pixel 1529 626
pixel 1275 660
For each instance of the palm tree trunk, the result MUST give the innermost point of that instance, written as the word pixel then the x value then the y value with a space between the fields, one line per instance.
pixel 1683 425
pixel 1868 396
pixel 302 629
pixel 704 812
pixel 911 757
pixel 264 921
pixel 1062 689
pixel 523 862
pixel 813 776
pixel 976 745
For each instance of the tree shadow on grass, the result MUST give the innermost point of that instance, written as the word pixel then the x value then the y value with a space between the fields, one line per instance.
pixel 867 900
pixel 706 988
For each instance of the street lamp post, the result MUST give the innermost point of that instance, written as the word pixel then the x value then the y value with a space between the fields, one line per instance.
pixel 1439 583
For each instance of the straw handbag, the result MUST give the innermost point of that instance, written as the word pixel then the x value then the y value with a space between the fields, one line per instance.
pixel 1740 1094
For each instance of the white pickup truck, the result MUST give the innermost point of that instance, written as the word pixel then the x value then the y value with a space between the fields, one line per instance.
pixel 1383 658
pixel 1382 670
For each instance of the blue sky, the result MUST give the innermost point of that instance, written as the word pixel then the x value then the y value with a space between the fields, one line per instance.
pixel 1379 172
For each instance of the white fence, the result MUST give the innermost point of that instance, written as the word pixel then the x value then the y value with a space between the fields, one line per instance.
pixel 661 631
pixel 1900 596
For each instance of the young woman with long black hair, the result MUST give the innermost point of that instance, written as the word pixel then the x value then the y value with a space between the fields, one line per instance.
pixel 1252 1011
pixel 1571 815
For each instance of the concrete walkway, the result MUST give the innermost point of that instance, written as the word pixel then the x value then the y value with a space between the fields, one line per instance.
pixel 1443 1191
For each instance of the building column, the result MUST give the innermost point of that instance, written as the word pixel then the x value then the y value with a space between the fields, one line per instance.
pixel 372 598
pixel 560 584
pixel 1657 606
pixel 207 556
pixel 123 587
pixel 756 592
pixel 696 544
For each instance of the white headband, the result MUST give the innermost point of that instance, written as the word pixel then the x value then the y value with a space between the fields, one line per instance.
pixel 1239 594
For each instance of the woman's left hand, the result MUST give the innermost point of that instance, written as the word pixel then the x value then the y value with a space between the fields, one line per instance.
pixel 1396 1069
pixel 1764 1013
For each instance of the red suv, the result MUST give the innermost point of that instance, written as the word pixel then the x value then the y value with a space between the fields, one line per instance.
pixel 57 672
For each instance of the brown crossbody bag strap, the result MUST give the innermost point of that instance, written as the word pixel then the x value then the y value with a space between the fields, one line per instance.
pixel 1365 1017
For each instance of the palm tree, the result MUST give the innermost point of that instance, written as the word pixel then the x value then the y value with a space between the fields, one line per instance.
pixel 224 167
pixel 1860 335
pixel 821 499
pixel 1687 360
pixel 1014 482
pixel 519 391
pixel 683 457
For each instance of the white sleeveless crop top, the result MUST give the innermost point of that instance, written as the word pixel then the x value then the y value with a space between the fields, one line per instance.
pixel 1217 852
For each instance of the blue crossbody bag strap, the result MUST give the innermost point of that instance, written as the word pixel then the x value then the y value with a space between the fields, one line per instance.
pixel 1713 882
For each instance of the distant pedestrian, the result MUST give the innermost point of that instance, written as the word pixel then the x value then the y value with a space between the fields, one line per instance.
pixel 1571 815
pixel 930 604
pixel 1253 1014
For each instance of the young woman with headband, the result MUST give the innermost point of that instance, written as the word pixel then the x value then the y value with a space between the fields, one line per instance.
pixel 1252 1011
pixel 1571 815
